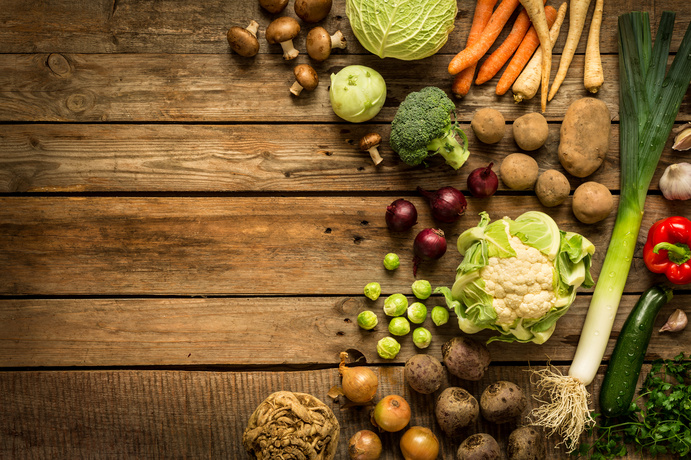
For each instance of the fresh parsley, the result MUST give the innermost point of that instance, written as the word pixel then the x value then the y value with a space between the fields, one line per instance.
pixel 658 422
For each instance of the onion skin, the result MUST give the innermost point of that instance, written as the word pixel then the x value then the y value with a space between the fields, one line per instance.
pixel 359 383
pixel 483 182
pixel 419 443
pixel 429 244
pixel 401 215
pixel 364 445
pixel 447 204
pixel 392 413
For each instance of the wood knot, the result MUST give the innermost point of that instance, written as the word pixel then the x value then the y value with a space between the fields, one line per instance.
pixel 58 64
pixel 79 102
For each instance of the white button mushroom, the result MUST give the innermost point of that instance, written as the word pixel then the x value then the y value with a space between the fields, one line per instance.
pixel 305 78
pixel 244 41
pixel 283 30
pixel 319 43
pixel 312 10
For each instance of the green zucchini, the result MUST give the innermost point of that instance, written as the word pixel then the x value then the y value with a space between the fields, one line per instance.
pixel 621 377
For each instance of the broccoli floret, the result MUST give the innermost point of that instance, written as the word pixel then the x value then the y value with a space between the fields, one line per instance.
pixel 423 127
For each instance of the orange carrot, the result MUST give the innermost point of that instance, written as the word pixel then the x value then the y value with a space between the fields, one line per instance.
pixel 498 58
pixel 473 53
pixel 523 53
pixel 483 11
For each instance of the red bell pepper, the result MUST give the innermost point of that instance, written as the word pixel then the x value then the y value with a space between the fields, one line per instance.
pixel 667 249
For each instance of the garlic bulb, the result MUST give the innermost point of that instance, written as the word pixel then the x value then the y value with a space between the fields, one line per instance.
pixel 675 183
pixel 676 322
pixel 682 141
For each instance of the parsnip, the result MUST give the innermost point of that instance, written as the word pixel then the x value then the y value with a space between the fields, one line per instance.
pixel 593 77
pixel 536 11
pixel 527 83
pixel 579 10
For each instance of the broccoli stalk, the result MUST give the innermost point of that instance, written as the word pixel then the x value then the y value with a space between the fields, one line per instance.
pixel 423 127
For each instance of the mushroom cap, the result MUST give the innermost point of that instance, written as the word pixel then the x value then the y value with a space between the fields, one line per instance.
pixel 318 44
pixel 306 76
pixel 273 6
pixel 281 30
pixel 312 10
pixel 369 140
pixel 242 41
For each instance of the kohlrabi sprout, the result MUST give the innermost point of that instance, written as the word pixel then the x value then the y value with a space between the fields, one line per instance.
pixel 399 326
pixel 440 315
pixel 388 347
pixel 372 291
pixel 395 305
pixel 391 261
pixel 357 93
pixel 422 337
pixel 367 319
pixel 417 313
pixel 422 289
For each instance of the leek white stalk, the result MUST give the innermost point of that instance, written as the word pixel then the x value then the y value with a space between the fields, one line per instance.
pixel 648 105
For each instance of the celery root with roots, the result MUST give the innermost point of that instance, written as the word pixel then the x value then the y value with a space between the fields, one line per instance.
pixel 649 102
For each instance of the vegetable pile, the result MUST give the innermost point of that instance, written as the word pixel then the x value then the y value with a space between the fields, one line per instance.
pixel 517 277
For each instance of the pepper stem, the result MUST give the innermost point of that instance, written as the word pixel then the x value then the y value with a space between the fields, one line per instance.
pixel 678 253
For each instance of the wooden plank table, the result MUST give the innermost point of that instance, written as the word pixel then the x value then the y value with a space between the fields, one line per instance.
pixel 181 237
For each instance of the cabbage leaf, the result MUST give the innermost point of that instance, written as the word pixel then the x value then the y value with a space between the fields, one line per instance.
pixel 402 29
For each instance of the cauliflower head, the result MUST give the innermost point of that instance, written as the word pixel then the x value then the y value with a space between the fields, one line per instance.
pixel 518 277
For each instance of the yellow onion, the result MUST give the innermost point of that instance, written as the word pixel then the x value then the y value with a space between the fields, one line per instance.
pixel 391 414
pixel 364 445
pixel 419 443
pixel 359 383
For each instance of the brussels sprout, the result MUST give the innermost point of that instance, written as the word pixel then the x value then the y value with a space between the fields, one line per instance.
pixel 417 313
pixel 388 347
pixel 367 320
pixel 391 261
pixel 395 305
pixel 422 337
pixel 399 326
pixel 440 315
pixel 422 289
pixel 372 291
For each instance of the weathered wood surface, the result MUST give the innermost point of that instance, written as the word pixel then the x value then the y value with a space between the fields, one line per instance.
pixel 245 246
pixel 178 414
pixel 247 158
pixel 246 332
pixel 130 26
pixel 214 88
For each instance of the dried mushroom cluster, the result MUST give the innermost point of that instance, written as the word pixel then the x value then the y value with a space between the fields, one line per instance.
pixel 292 426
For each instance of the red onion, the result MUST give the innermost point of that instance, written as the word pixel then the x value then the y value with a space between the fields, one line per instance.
pixel 483 182
pixel 447 203
pixel 429 244
pixel 401 215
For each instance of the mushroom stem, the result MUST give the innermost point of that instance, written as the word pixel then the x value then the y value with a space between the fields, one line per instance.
pixel 374 153
pixel 296 88
pixel 289 51
pixel 253 27
pixel 338 40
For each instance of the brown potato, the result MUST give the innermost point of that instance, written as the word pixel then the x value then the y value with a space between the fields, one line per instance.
pixel 592 202
pixel 585 134
pixel 552 188
pixel 530 131
pixel 488 125
pixel 519 171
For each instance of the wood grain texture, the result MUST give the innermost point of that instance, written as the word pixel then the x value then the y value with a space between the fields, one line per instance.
pixel 130 26
pixel 177 414
pixel 245 332
pixel 214 88
pixel 243 246
pixel 247 158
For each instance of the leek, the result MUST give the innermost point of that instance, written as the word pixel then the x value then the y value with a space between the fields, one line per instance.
pixel 648 104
